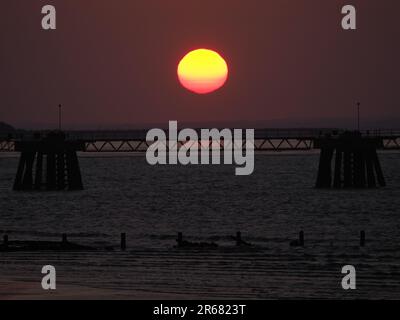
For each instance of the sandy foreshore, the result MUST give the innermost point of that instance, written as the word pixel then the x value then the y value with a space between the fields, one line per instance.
pixel 26 290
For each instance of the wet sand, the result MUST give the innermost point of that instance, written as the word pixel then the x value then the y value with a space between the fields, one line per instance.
pixel 28 290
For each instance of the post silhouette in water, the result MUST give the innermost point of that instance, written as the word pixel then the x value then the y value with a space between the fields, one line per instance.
pixel 299 242
pixel 123 241
pixel 362 238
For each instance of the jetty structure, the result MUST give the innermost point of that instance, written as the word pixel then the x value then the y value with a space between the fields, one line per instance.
pixel 356 162
pixel 348 159
pixel 48 163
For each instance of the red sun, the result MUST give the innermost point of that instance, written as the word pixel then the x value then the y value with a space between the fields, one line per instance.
pixel 202 71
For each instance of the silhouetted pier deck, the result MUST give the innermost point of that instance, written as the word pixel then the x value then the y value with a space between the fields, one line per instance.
pixel 265 139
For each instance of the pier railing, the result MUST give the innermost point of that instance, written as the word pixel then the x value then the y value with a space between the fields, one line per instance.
pixel 265 139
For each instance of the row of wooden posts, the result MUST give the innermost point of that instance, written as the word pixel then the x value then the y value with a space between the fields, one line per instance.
pixel 239 241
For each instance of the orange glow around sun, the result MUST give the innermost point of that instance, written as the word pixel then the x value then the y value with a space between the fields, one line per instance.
pixel 202 71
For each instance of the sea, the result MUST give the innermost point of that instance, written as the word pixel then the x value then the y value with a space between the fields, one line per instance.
pixel 210 204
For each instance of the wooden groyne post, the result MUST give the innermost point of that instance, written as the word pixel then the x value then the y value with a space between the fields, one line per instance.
pixel 48 163
pixel 362 238
pixel 238 238
pixel 123 241
pixel 5 240
pixel 299 242
pixel 179 240
pixel 356 161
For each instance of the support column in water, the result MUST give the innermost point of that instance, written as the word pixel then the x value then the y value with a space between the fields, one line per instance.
pixel 53 155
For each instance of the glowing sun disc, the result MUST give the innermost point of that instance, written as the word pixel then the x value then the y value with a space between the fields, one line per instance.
pixel 202 71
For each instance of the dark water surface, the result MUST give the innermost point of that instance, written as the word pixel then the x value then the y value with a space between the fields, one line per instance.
pixel 209 203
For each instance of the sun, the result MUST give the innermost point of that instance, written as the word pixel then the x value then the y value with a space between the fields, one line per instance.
pixel 202 71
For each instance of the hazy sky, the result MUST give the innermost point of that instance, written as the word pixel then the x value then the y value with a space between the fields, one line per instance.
pixel 113 63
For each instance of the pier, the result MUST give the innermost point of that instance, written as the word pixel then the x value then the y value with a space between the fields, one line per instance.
pixel 265 139
pixel 356 160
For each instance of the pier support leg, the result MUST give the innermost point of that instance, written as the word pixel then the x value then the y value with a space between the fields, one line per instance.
pixel 39 171
pixel 51 172
pixel 27 182
pixel 20 172
pixel 348 176
pixel 363 180
pixel 60 171
pixel 378 169
pixel 61 168
pixel 370 169
pixel 73 172
pixel 358 170
pixel 337 182
pixel 356 162
pixel 324 179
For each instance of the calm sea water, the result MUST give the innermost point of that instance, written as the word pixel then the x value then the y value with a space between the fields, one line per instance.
pixel 209 203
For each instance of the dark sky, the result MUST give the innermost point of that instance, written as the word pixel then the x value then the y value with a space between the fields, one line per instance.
pixel 113 63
